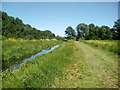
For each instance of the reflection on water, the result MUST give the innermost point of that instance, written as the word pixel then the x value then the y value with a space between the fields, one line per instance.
pixel 16 66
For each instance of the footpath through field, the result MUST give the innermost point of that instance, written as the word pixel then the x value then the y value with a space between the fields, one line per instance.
pixel 92 68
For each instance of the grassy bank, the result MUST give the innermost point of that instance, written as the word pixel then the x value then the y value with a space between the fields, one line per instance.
pixel 13 51
pixel 41 72
pixel 108 45
pixel 72 65
pixel 92 68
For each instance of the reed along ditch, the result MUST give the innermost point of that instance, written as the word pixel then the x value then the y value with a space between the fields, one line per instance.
pixel 17 64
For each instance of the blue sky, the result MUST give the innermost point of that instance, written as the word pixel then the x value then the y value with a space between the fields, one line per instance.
pixel 57 16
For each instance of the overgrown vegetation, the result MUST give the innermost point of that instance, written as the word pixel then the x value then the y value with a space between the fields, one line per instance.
pixel 15 50
pixel 109 45
pixel 69 66
pixel 42 71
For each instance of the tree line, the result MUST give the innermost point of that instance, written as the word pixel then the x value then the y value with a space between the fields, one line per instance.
pixel 15 28
pixel 94 32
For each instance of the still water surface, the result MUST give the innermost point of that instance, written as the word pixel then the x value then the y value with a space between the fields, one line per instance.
pixel 16 66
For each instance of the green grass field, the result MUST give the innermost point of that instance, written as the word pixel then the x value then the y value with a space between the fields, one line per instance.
pixel 73 64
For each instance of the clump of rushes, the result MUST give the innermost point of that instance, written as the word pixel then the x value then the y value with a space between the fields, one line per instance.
pixel 109 45
pixel 42 71
pixel 15 50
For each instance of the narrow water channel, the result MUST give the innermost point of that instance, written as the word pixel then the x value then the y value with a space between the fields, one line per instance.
pixel 17 66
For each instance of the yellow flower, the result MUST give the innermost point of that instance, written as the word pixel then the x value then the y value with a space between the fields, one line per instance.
pixel 12 39
pixel 33 40
pixel 54 39
pixel 47 39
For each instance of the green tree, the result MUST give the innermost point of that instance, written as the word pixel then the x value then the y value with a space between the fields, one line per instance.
pixel 15 28
pixel 116 29
pixel 91 31
pixel 70 33
pixel 105 33
pixel 82 31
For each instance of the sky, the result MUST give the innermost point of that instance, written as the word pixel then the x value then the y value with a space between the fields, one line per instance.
pixel 57 16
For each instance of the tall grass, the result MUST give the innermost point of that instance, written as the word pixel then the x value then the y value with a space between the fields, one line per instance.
pixel 13 51
pixel 42 71
pixel 109 45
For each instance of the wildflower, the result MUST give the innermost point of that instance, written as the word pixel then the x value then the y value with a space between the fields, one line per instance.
pixel 12 39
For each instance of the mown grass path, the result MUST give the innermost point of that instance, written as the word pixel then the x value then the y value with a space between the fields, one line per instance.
pixel 92 68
